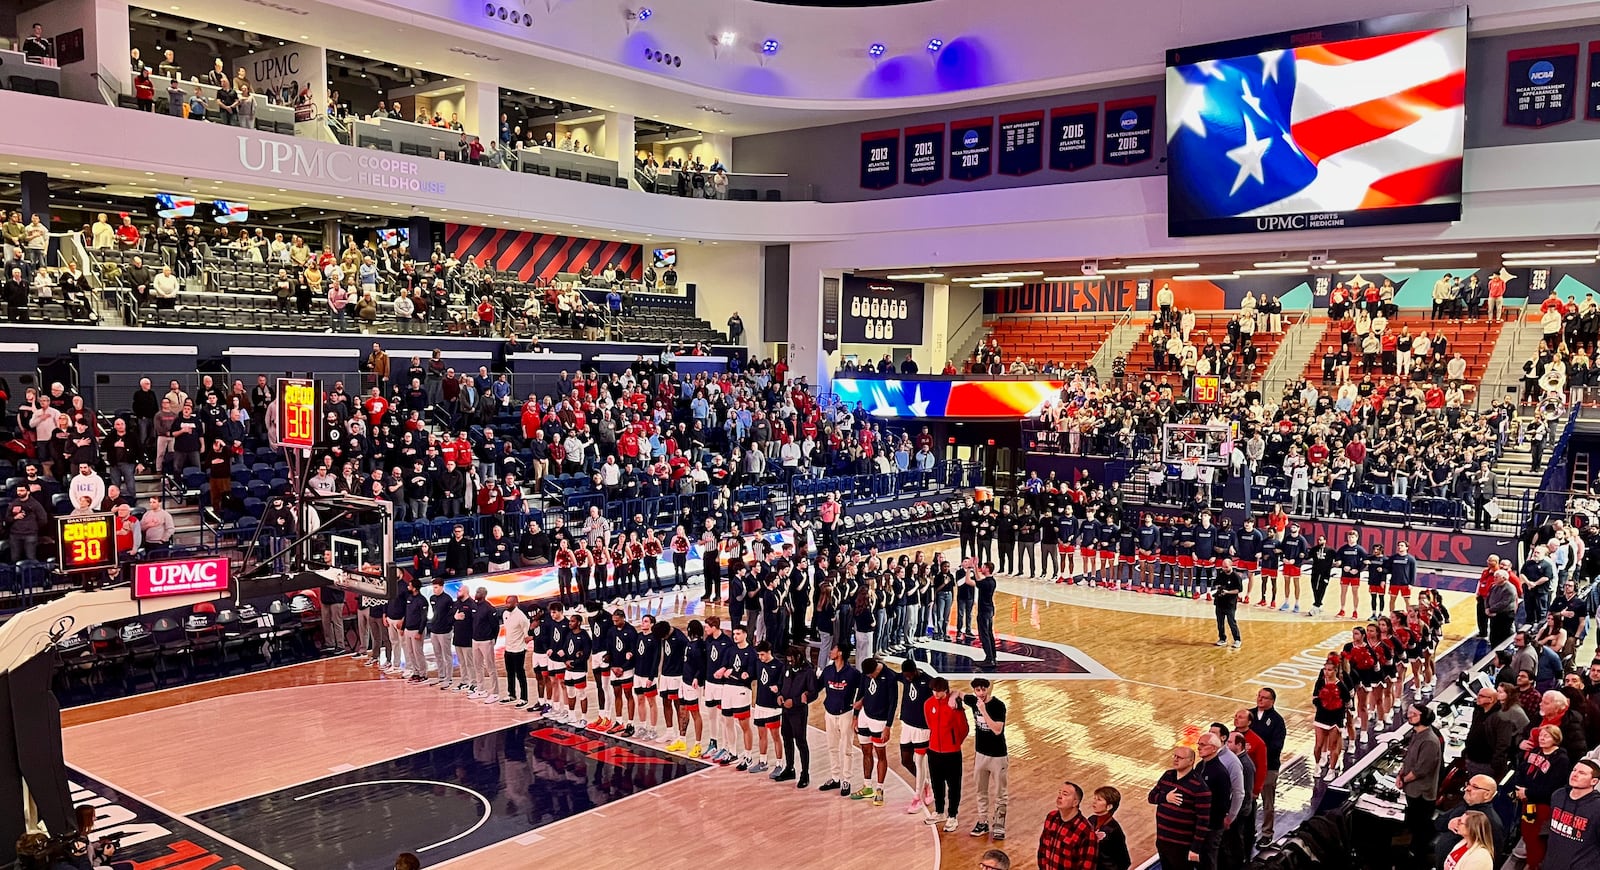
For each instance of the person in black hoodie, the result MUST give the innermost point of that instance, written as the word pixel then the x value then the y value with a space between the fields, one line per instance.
pixel 796 691
pixel 394 618
pixel 450 488
pixel 441 619
pixel 25 520
pixel 458 554
pixel 15 295
pixel 485 630
pixel 461 640
pixel 416 620
pixel 1006 539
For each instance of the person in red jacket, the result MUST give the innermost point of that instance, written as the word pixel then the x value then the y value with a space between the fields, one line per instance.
pixel 947 730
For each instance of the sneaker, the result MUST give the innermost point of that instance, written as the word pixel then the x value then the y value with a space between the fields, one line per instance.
pixel 629 731
pixel 677 746
pixel 1284 608
pixel 510 700
pixel 1222 643
pixel 998 834
pixel 1296 609
pixel 696 752
pixel 933 818
pixel 760 767
pixel 877 797
pixel 1237 644
pixel 582 724
pixel 602 723
pixel 844 789
pixel 491 699
pixel 980 829
pixel 863 794
pixel 951 824
pixel 474 695
pixel 830 785
pixel 1341 614
pixel 742 766
pixel 1261 603
pixel 778 772
pixel 915 806
pixel 804 781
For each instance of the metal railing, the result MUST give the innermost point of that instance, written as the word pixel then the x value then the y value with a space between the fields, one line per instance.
pixel 1101 360
pixel 1273 377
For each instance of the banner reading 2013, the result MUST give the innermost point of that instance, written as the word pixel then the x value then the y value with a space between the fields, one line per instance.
pixel 924 154
pixel 971 148
pixel 880 159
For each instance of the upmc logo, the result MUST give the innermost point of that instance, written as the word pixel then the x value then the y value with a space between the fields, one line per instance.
pixel 1542 72
pixel 1130 119
pixel 181 577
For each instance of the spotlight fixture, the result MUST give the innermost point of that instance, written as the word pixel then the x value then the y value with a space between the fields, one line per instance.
pixel 644 13
pixel 935 44
pixel 728 38
pixel 876 49
pixel 770 47
pixel 189 35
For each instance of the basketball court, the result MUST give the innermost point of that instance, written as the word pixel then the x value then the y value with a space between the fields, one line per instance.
pixel 331 765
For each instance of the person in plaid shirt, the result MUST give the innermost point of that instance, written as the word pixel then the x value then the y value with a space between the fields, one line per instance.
pixel 1068 841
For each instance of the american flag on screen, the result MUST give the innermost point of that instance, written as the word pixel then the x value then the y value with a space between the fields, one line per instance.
pixel 1366 123
pixel 230 212
pixel 170 205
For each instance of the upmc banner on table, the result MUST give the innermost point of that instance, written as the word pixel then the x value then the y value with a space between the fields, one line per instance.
pixel 881 312
pixel 180 577
pixel 1541 85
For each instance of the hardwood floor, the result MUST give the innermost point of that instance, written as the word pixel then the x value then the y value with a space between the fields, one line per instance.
pixel 295 725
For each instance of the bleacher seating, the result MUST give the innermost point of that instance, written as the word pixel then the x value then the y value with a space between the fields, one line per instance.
pixel 1066 340
pixel 1475 340
pixel 1209 325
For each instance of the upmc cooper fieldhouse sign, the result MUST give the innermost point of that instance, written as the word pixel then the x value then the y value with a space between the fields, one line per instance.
pixel 347 166
pixel 180 577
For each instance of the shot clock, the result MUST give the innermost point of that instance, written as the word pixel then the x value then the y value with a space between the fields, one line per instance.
pixel 298 406
pixel 86 543
pixel 1206 389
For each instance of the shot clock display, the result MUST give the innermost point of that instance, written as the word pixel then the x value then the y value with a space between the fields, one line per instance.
pixel 1206 389
pixel 298 413
pixel 86 543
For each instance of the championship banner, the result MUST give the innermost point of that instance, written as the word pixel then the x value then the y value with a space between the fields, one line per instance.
pixel 1130 129
pixel 1594 81
pixel 1021 143
pixel 830 315
pixel 1541 85
pixel 881 312
pixel 880 159
pixel 1072 136
pixel 971 148
pixel 924 154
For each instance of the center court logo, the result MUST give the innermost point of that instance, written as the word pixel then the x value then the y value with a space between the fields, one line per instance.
pixel 1542 73
pixel 1016 658
pixel 970 140
pixel 1129 120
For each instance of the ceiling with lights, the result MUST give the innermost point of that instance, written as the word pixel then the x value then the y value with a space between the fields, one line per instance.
pixel 1347 263
pixel 739 67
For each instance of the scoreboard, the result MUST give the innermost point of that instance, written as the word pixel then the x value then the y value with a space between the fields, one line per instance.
pixel 298 413
pixel 86 543
pixel 1207 389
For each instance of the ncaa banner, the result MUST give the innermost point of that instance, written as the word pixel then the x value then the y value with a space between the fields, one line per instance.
pixel 1021 143
pixel 1130 129
pixel 924 154
pixel 881 312
pixel 1594 81
pixel 880 159
pixel 1072 136
pixel 971 148
pixel 1541 85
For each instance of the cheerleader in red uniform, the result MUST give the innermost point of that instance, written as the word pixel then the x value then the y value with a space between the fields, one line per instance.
pixel 1361 661
pixel 1392 650
pixel 652 557
pixel 680 558
pixel 1331 697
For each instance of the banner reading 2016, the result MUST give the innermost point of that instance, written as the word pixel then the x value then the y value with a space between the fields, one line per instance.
pixel 1541 85
pixel 1130 128
pixel 1072 135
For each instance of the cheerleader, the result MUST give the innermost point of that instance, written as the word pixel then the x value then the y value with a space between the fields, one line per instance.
pixel 1361 661
pixel 638 557
pixel 1331 697
pixel 680 557
pixel 622 582
pixel 582 568
pixel 1392 654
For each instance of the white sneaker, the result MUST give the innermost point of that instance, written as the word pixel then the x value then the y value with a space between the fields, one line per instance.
pixel 491 699
pixel 933 818
pixel 1237 644
pixel 474 695
pixel 951 824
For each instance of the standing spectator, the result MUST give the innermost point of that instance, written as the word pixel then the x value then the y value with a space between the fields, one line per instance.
pixel 1575 819
pixel 332 606
pixel 485 630
pixel 990 760
pixel 736 329
pixel 1419 780
pixel 517 628
pixel 1226 589
pixel 37 46
pixel 24 522
pixel 155 527
pixel 1111 851
pixel 1502 608
pixel 1224 777
pixel 947 730
pixel 985 585
pixel 1183 811
pixel 1069 841
pixel 841 687
pixel 1267 723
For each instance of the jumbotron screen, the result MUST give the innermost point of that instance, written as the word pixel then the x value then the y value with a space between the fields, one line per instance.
pixel 891 398
pixel 1348 125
